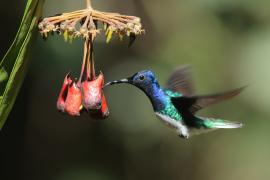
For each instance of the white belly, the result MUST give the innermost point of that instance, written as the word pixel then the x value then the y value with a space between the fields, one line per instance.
pixel 168 121
pixel 180 128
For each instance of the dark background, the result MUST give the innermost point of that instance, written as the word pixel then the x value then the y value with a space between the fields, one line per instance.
pixel 227 42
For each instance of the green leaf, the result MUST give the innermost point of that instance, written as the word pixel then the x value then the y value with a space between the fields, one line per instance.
pixel 3 75
pixel 14 65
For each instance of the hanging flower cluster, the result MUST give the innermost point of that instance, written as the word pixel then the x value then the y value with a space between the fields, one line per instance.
pixel 86 94
pixel 76 24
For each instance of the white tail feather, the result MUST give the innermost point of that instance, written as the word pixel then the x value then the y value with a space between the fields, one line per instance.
pixel 229 125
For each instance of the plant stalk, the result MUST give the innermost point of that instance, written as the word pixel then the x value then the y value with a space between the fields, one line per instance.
pixel 85 55
pixel 89 4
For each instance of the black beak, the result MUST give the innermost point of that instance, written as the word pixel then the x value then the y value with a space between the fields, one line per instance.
pixel 127 80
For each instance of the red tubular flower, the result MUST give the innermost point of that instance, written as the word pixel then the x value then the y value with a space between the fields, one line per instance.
pixel 73 103
pixel 70 98
pixel 94 99
pixel 87 92
pixel 63 94
pixel 74 97
pixel 103 112
pixel 92 93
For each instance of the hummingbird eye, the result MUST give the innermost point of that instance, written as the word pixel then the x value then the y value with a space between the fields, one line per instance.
pixel 141 77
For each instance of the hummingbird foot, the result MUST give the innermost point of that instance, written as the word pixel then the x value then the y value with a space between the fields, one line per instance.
pixel 183 132
pixel 186 136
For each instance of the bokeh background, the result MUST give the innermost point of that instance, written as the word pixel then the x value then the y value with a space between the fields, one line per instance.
pixel 226 42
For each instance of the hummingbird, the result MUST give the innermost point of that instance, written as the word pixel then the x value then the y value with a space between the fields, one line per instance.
pixel 176 105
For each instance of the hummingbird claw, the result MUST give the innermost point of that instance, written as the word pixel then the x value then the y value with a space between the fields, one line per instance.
pixel 182 131
pixel 185 136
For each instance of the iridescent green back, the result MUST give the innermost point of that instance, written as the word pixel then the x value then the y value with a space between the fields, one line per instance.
pixel 169 109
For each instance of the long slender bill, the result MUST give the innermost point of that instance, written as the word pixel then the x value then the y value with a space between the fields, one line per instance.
pixel 117 82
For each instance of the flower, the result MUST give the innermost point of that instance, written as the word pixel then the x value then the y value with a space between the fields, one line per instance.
pixel 87 23
pixel 94 99
pixel 70 98
pixel 73 104
pixel 92 93
pixel 89 95
pixel 104 108
pixel 103 112
pixel 63 94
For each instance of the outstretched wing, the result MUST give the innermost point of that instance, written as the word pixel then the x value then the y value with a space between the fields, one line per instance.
pixel 180 81
pixel 195 103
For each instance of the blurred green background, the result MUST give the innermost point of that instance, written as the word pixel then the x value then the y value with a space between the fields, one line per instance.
pixel 227 42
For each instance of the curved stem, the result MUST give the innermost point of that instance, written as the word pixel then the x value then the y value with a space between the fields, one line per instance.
pixel 92 61
pixel 90 66
pixel 88 70
pixel 84 60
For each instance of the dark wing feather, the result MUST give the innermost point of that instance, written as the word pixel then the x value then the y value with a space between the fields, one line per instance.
pixel 195 103
pixel 180 81
pixel 204 101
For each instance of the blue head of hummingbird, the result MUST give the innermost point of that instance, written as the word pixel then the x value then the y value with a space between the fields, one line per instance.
pixel 175 103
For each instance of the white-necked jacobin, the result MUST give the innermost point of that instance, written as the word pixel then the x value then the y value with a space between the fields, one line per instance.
pixel 176 105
